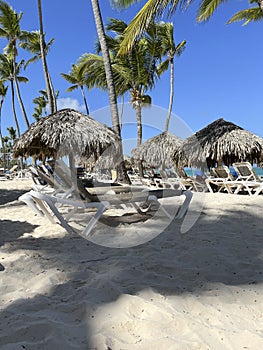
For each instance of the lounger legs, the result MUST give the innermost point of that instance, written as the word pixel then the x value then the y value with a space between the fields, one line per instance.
pixel 188 196
pixel 27 199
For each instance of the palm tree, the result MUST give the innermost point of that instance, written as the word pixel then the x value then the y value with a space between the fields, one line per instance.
pixel 208 7
pixel 30 41
pixel 6 74
pixel 77 78
pixel 12 134
pixel 166 33
pixel 38 110
pixel 41 103
pixel 10 29
pixel 134 73
pixel 3 92
pixel 122 174
pixel 43 52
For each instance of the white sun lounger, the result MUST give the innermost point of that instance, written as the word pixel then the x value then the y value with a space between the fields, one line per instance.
pixel 46 204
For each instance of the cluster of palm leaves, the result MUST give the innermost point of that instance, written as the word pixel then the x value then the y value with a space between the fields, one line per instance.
pixel 135 73
pixel 10 69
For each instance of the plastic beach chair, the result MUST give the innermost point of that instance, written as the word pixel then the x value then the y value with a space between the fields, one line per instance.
pixel 141 200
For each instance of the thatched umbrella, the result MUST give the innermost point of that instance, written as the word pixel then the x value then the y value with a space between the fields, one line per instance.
pixel 157 151
pixel 63 133
pixel 219 142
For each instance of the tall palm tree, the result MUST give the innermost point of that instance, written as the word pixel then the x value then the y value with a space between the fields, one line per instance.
pixel 7 74
pixel 43 52
pixel 134 73
pixel 170 49
pixel 30 41
pixel 121 171
pixel 10 29
pixel 3 92
pixel 77 78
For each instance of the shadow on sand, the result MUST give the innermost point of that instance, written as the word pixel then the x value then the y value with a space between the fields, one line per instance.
pixel 65 315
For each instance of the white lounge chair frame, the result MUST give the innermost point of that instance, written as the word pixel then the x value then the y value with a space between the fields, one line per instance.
pixel 41 202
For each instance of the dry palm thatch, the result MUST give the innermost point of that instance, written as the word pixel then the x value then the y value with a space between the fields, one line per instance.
pixel 220 141
pixel 158 150
pixel 62 133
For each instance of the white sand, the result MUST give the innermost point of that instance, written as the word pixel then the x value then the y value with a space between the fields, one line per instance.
pixel 201 290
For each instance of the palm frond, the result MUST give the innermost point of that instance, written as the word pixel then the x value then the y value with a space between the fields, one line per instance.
pixel 162 67
pixel 207 8
pixel 120 4
pixel 253 14
pixel 140 22
pixel 22 79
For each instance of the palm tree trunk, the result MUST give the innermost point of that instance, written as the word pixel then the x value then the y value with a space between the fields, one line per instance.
pixel 85 100
pixel 1 135
pixel 122 110
pixel 171 94
pixel 50 93
pixel 15 118
pixel 54 99
pixel 139 134
pixel 21 102
pixel 1 138
pixel 14 109
pixel 107 65
pixel 121 170
pixel 139 124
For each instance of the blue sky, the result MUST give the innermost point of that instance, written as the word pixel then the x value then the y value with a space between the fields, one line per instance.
pixel 219 75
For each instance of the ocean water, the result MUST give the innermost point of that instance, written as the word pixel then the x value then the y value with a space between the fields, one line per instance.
pixel 259 171
pixel 192 172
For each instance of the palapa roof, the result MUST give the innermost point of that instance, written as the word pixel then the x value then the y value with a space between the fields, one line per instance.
pixel 64 132
pixel 220 141
pixel 158 150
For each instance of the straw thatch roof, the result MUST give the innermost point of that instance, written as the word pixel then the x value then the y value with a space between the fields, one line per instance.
pixel 64 132
pixel 220 141
pixel 158 150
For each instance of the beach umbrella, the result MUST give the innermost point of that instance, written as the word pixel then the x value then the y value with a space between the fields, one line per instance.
pixel 63 133
pixel 219 142
pixel 157 151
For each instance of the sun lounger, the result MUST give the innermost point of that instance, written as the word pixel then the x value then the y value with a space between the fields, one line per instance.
pixel 223 181
pixel 99 198
pixel 252 183
pixel 180 179
pixel 141 200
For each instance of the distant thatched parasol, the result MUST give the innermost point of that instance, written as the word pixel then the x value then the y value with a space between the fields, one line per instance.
pixel 62 133
pixel 220 141
pixel 158 150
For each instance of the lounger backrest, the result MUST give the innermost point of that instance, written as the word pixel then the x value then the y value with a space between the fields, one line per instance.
pixel 64 172
pixel 223 172
pixel 245 171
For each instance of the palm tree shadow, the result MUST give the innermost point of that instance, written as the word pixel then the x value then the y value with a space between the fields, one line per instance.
pixel 95 276
pixel 8 196
pixel 11 230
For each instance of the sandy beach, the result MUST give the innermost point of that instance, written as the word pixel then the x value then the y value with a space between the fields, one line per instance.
pixel 199 290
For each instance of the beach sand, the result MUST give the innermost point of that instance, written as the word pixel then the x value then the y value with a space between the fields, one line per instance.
pixel 198 290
